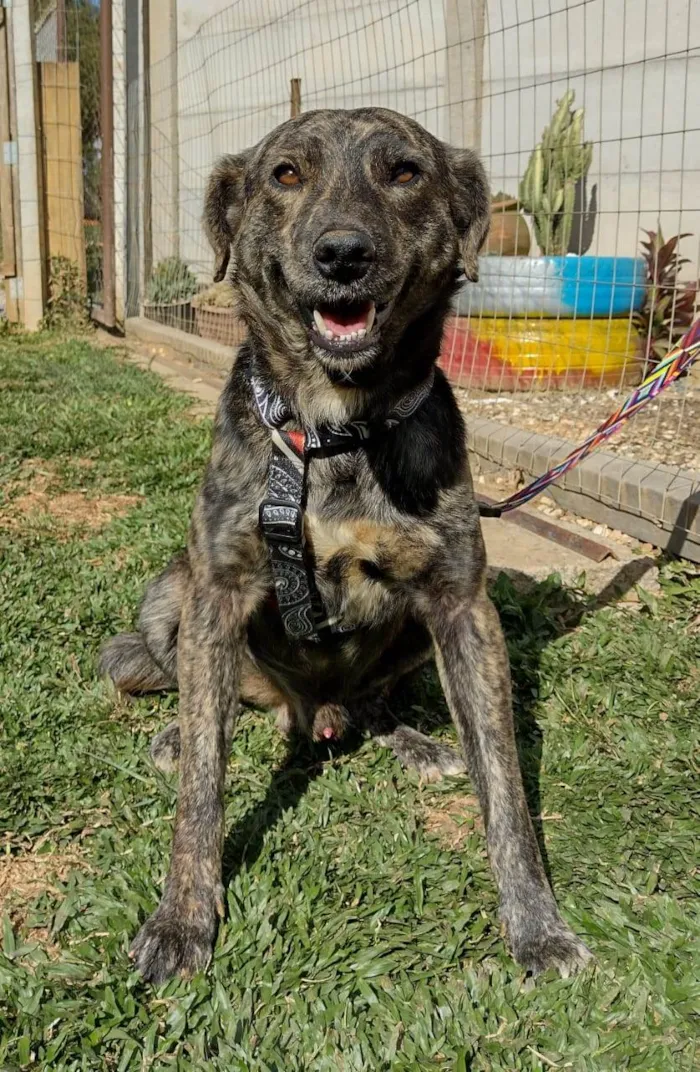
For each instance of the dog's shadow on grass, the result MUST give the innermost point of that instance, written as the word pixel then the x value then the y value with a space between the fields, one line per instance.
pixel 533 615
pixel 303 763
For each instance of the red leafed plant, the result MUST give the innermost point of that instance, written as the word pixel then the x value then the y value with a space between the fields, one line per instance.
pixel 669 305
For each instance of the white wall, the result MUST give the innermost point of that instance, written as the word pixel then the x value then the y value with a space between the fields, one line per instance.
pixel 635 67
pixel 630 64
pixel 235 63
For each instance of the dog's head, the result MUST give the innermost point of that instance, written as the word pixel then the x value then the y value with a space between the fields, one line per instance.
pixel 342 228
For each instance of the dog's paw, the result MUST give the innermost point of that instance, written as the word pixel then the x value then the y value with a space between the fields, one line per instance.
pixel 559 949
pixel 432 759
pixel 168 945
pixel 165 748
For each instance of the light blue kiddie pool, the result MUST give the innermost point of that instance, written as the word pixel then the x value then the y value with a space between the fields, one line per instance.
pixel 581 287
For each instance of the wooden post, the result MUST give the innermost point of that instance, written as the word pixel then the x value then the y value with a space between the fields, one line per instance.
pixel 124 21
pixel 62 162
pixel 294 97
pixel 136 173
pixel 465 25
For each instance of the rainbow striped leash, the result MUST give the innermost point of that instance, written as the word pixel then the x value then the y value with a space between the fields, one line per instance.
pixel 677 360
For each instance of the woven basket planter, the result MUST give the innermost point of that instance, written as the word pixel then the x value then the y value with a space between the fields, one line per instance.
pixel 220 325
pixel 173 314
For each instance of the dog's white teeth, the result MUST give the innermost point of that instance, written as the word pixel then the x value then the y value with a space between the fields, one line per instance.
pixel 329 334
pixel 370 318
pixel 361 333
pixel 319 322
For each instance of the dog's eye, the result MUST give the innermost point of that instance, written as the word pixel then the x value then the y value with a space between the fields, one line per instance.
pixel 286 175
pixel 404 173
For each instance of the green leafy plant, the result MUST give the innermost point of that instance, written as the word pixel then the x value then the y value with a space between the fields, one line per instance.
pixel 669 305
pixel 92 230
pixel 67 305
pixel 171 281
pixel 548 188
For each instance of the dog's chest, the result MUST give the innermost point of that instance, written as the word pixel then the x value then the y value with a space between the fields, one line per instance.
pixel 365 555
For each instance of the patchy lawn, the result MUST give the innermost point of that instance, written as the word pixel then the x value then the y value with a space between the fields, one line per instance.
pixel 361 929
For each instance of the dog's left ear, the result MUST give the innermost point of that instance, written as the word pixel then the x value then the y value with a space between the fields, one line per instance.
pixel 471 206
pixel 223 207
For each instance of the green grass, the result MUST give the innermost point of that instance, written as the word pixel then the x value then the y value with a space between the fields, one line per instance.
pixel 357 935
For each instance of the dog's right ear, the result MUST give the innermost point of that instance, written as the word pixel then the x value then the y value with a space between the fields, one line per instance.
pixel 223 207
pixel 471 206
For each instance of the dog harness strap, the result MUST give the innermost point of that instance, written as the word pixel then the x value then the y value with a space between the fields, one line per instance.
pixel 282 512
pixel 282 525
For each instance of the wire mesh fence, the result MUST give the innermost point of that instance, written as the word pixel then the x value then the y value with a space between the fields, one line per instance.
pixel 66 45
pixel 585 114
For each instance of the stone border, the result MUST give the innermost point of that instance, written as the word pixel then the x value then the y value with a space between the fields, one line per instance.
pixel 193 348
pixel 658 504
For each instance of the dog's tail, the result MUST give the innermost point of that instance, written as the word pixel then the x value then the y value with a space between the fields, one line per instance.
pixel 126 660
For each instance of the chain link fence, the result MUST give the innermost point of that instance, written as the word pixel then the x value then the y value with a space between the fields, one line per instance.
pixel 585 113
pixel 66 44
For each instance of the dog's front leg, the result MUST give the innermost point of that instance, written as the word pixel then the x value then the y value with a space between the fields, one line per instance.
pixel 179 936
pixel 473 664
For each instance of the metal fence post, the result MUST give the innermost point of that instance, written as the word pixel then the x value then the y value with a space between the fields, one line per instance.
pixel 136 162
pixel 108 316
pixel 8 269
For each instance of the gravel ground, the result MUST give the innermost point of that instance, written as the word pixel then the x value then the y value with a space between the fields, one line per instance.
pixel 667 430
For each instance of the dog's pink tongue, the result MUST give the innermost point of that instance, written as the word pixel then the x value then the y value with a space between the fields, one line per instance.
pixel 341 323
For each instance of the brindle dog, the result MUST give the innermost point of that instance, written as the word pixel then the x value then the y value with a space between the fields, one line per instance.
pixel 354 220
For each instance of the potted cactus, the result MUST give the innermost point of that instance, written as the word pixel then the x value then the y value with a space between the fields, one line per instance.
pixel 548 189
pixel 559 319
pixel 216 315
pixel 169 294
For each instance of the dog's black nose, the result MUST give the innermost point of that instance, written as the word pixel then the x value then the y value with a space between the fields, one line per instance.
pixel 344 255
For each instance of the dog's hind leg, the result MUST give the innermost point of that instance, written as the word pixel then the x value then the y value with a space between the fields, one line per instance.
pixel 161 610
pixel 165 748
pixel 147 661
pixel 432 759
pixel 256 690
pixel 126 660
pixel 412 649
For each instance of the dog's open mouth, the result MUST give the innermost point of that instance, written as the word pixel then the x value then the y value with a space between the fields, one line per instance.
pixel 347 327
